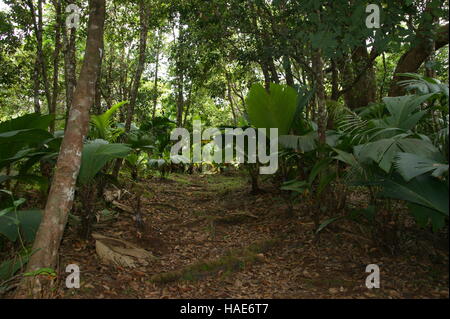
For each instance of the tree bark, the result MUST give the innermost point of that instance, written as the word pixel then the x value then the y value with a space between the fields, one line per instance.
pixel 180 99
pixel 155 82
pixel 38 28
pixel 37 105
pixel 61 196
pixel 288 69
pixel 334 81
pixel 143 17
pixel 230 97
pixel 317 65
pixel 364 89
pixel 144 21
pixel 70 80
pixel 98 96
pixel 58 25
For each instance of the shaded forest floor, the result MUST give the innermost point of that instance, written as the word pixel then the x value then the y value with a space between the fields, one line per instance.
pixel 213 239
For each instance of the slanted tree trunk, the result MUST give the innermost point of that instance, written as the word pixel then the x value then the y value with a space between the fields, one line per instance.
pixel 412 59
pixel 61 196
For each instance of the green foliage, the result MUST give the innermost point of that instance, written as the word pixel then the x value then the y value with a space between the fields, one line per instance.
pixel 9 267
pixel 428 196
pixel 392 141
pixel 384 151
pixel 102 123
pixel 423 85
pixel 272 110
pixel 16 223
pixel 411 165
pixel 27 137
pixel 95 156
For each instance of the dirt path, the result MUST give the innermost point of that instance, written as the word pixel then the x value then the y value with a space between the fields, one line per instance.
pixel 213 239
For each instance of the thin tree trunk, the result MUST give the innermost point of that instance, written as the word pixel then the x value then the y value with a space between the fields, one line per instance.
pixel 69 66
pixel 288 69
pixel 266 74
pixel 38 28
pixel 230 98
pixel 273 70
pixel 144 20
pixel 58 25
pixel 334 81
pixel 61 196
pixel 155 82
pixel 188 104
pixel 98 95
pixel 37 105
pixel 317 64
pixel 180 99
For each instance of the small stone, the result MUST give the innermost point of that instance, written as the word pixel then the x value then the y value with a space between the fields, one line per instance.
pixel 333 291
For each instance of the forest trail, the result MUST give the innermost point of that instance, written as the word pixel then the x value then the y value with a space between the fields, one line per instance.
pixel 212 239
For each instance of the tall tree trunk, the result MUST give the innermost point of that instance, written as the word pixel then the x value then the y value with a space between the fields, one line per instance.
pixel 143 18
pixel 188 104
pixel 38 29
pixel 136 81
pixel 70 79
pixel 98 95
pixel 288 69
pixel 334 81
pixel 180 98
pixel 61 196
pixel 155 82
pixel 273 70
pixel 317 65
pixel 364 89
pixel 266 74
pixel 58 26
pixel 37 105
pixel 230 97
pixel 412 59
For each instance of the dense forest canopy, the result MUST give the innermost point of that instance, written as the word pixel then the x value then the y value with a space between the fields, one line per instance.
pixel 91 90
pixel 201 57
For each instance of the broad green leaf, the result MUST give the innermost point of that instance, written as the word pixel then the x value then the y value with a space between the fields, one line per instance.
pixel 28 121
pixel 95 156
pixel 425 191
pixel 272 110
pixel 27 221
pixel 304 143
pixel 411 165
